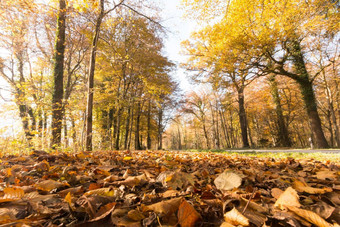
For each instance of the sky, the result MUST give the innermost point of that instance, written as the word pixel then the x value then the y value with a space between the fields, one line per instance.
pixel 179 29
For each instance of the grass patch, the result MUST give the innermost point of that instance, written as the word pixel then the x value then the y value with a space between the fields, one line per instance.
pixel 298 154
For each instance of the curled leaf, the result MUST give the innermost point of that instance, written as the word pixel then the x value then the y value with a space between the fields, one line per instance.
pixel 310 216
pixel 303 187
pixel 234 217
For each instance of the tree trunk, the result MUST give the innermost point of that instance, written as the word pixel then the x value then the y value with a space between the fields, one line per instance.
pixel 312 112
pixel 243 118
pixel 58 77
pixel 206 133
pixel 118 128
pixel 224 127
pixel 148 142
pixel 74 134
pixel 137 141
pixel 127 125
pixel 66 140
pixel 89 108
pixel 283 135
pixel 332 119
pixel 179 138
pixel 308 95
pixel 160 129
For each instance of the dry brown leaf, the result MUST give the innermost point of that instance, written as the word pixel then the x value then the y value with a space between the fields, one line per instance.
pixel 74 191
pixel 101 191
pixel 7 215
pixel 234 217
pixel 310 216
pixel 303 187
pixel 111 178
pixel 49 185
pixel 276 192
pixel 134 180
pixel 175 179
pixel 187 215
pixel 226 224
pixel 135 215
pixel 326 174
pixel 228 180
pixel 288 198
pixel 164 207
pixel 170 193
pixel 13 193
pixel 254 206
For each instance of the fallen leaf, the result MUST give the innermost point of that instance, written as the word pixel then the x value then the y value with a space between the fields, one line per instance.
pixel 288 198
pixel 187 215
pixel 234 217
pixel 175 179
pixel 134 180
pixel 135 215
pixel 303 187
pixel 13 193
pixel 310 216
pixel 226 224
pixel 102 191
pixel 164 207
pixel 228 180
pixel 276 192
pixel 326 175
pixel 49 185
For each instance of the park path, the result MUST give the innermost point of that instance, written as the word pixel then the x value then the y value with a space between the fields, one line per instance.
pixel 326 151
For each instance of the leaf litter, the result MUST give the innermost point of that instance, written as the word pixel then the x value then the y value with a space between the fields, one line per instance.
pixel 166 188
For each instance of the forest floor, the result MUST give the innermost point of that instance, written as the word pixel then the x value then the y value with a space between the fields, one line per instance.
pixel 169 188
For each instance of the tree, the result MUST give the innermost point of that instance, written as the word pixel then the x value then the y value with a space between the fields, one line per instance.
pixel 58 77
pixel 277 33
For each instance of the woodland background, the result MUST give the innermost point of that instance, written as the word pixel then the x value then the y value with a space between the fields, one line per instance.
pixel 93 75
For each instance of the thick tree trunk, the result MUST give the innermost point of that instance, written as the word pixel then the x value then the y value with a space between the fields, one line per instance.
pixel 89 108
pixel 283 135
pixel 308 95
pixel 58 77
pixel 243 118
pixel 332 115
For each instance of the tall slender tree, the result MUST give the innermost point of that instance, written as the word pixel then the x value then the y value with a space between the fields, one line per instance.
pixel 58 76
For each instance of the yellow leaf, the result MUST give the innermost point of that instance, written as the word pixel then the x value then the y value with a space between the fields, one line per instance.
pixel 49 185
pixel 310 216
pixel 13 193
pixel 303 187
pixel 68 198
pixel 234 217
pixel 127 158
pixel 101 191
pixel 288 198
pixel 166 208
